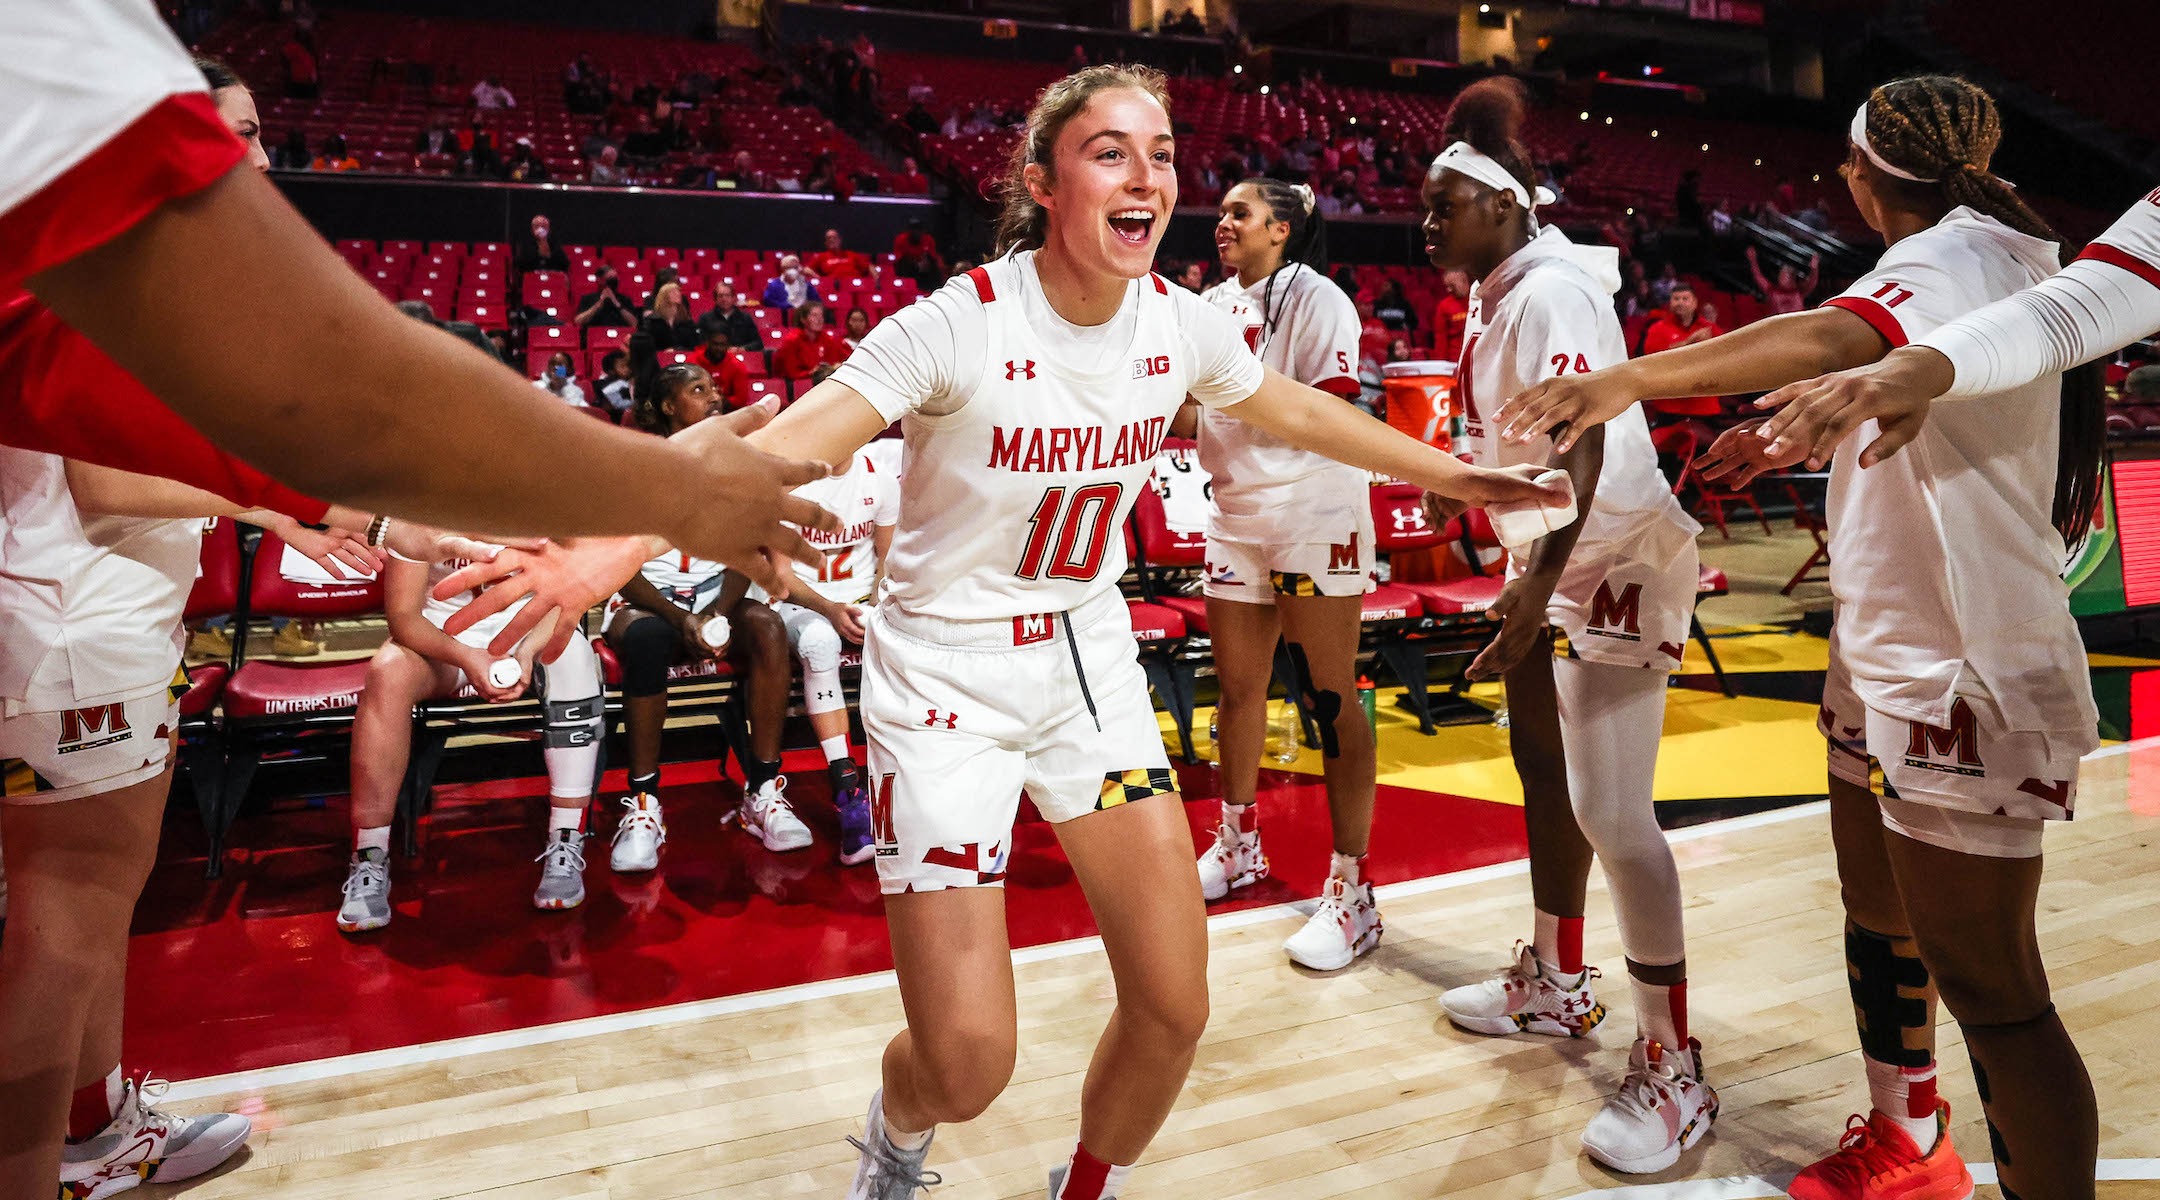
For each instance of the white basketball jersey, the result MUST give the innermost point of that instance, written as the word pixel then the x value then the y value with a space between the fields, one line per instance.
pixel 1307 329
pixel 1028 439
pixel 439 611
pixel 1544 312
pixel 1187 491
pixel 1945 561
pixel 89 605
pixel 864 498
pixel 682 576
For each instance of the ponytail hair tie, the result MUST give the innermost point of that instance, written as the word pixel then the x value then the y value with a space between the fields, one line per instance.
pixel 1305 196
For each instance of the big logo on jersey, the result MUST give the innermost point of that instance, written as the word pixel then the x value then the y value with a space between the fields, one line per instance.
pixel 80 727
pixel 1617 616
pixel 1148 368
pixel 1958 742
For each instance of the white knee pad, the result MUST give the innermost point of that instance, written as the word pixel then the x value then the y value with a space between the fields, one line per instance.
pixel 1611 719
pixel 571 697
pixel 817 644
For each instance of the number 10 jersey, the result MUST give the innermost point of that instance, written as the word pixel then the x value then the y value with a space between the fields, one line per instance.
pixel 1028 438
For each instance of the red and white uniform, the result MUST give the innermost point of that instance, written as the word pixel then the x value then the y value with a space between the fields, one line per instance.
pixel 1001 656
pixel 865 499
pixel 439 612
pixel 688 580
pixel 1955 649
pixel 90 637
pixel 1628 592
pixel 1287 520
pixel 2105 300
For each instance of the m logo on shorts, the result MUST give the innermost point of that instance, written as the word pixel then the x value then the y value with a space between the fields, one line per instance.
pixel 1958 740
pixel 1342 558
pixel 881 819
pixel 1619 616
pixel 79 725
pixel 1030 629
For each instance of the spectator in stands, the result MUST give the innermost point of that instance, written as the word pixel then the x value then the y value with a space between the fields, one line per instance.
pixel 808 343
pixel 796 93
pixel 437 138
pixel 476 146
pixel 561 380
pixel 491 95
pixel 916 257
pixel 292 153
pixel 539 252
pixel 614 382
pixel 910 181
pixel 524 165
pixel 1783 196
pixel 1683 325
pixel 1634 298
pixel 2142 385
pixel 1394 309
pixel 647 143
pixel 1789 294
pixel 730 321
pixel 823 178
pixel 730 374
pixel 1450 313
pixel 835 261
pixel 1193 276
pixel 669 324
pixel 499 342
pixel 699 172
pixel 302 78
pixel 855 328
pixel 1373 334
pixel 604 307
pixel 1687 200
pixel 664 277
pixel 1661 288
pixel 919 118
pixel 604 168
pixel 1342 199
pixel 1077 60
pixel 1400 350
pixel 334 156
pixel 602 137
pixel 791 286
pixel 1721 219
pixel 745 176
pixel 1815 216
pixel 920 92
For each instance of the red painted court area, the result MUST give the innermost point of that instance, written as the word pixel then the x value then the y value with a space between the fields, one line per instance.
pixel 250 971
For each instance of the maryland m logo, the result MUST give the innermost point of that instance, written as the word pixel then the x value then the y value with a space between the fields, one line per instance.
pixel 1958 741
pixel 1030 629
pixel 1624 613
pixel 1342 557
pixel 881 819
pixel 77 725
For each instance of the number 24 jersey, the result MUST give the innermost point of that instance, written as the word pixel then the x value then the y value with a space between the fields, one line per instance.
pixel 1028 438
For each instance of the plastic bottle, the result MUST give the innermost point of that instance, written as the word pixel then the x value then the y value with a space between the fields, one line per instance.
pixel 1369 696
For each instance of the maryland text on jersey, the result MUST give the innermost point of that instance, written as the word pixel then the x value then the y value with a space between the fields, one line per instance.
pixel 1065 448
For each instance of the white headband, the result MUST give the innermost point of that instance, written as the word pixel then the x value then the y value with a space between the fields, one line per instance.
pixel 1860 139
pixel 1466 159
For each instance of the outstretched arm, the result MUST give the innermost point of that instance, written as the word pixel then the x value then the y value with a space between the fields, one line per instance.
pixel 1767 354
pixel 1311 419
pixel 442 451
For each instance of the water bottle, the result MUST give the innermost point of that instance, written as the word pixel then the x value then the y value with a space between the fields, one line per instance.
pixel 1369 696
pixel 1284 731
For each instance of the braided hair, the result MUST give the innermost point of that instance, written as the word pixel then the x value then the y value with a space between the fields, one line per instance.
pixel 651 383
pixel 1945 130
pixel 1292 204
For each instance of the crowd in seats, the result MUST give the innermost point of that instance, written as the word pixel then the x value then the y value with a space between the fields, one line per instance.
pixel 452 97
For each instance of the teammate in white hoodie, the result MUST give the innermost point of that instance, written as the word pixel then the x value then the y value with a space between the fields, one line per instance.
pixel 1620 583
pixel 1955 663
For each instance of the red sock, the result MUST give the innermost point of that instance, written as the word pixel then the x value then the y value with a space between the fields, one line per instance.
pixel 1920 1100
pixel 1243 817
pixel 91 1109
pixel 1090 1178
pixel 1678 998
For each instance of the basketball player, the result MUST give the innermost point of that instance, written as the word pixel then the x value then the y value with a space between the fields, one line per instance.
pixel 2106 299
pixel 1034 393
pixel 1955 664
pixel 659 620
pixel 1289 556
pixel 421 662
pixel 124 189
pixel 1620 583
pixel 826 607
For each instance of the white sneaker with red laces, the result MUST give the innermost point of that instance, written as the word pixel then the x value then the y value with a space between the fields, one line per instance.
pixel 1528 997
pixel 143 1145
pixel 1345 924
pixel 1664 1107
pixel 1234 861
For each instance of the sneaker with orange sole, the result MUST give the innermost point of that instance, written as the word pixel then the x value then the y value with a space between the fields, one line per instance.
pixel 1876 1160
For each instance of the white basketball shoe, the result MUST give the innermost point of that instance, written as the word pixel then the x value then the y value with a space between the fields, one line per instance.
pixel 1234 861
pixel 766 815
pixel 1664 1106
pixel 1345 924
pixel 1528 997
pixel 143 1145
pixel 639 835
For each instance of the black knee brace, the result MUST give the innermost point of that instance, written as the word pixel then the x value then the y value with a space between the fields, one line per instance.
pixel 1996 1145
pixel 1325 705
pixel 646 648
pixel 1889 994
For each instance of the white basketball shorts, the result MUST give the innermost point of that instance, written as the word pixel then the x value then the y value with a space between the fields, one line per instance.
pixel 47 757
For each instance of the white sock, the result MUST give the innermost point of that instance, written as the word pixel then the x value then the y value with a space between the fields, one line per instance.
pixel 835 747
pixel 1346 868
pixel 900 1138
pixel 560 818
pixel 1654 1014
pixel 1890 1090
pixel 376 837
pixel 1240 817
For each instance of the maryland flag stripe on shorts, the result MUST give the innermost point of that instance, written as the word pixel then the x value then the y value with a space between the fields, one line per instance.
pixel 18 778
pixel 1124 787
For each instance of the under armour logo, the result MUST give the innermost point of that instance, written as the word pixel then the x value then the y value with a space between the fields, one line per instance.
pixel 949 720
pixel 1019 370
pixel 1407 518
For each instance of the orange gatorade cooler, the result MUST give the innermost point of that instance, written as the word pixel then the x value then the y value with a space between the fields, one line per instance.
pixel 1421 400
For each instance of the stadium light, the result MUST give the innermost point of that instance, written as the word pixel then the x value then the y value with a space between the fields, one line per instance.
pixel 1586 116
pixel 1706 147
pixel 1608 120
pixel 1238 70
pixel 1653 133
pixel 1758 162
pixel 1263 91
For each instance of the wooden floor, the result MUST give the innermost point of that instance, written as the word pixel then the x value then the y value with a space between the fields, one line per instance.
pixel 1306 1086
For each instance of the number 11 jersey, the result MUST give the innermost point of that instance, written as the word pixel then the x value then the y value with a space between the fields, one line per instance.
pixel 1027 437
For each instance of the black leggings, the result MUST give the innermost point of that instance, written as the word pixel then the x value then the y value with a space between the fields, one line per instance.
pixel 646 648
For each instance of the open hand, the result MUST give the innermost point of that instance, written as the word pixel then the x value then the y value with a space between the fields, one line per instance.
pixel 1564 407
pixel 1521 613
pixel 848 619
pixel 339 552
pixel 1511 485
pixel 1817 415
pixel 1742 453
pixel 743 515
pixel 566 578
